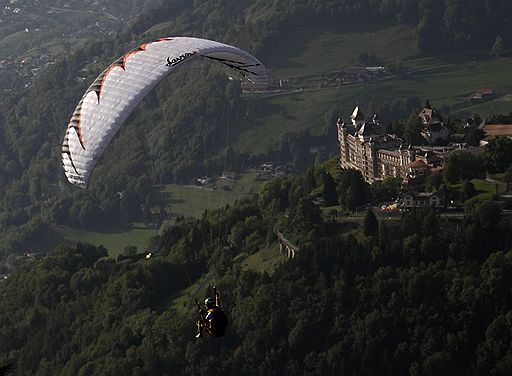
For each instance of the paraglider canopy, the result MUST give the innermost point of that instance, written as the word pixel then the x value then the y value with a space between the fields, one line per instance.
pixel 114 94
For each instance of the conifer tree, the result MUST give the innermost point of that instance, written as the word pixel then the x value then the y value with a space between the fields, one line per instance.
pixel 371 224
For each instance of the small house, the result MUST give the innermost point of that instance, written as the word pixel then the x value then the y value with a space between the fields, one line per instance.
pixel 423 200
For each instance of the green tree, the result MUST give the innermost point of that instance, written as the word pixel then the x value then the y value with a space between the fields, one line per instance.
pixel 412 130
pixel 473 136
pixel 430 226
pixel 352 189
pixel 498 154
pixel 468 190
pixel 386 189
pixel 462 165
pixel 330 194
pixel 498 48
pixel 371 224
pixel 507 178
pixel 433 181
pixel 306 215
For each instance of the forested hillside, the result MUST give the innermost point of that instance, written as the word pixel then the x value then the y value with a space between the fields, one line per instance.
pixel 419 294
pixel 36 34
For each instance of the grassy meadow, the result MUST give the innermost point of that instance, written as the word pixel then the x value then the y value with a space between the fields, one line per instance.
pixel 191 201
pixel 188 201
pixel 266 259
pixel 115 240
pixel 485 189
pixel 307 54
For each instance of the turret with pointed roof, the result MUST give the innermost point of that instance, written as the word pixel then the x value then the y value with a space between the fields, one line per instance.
pixel 365 131
pixel 357 117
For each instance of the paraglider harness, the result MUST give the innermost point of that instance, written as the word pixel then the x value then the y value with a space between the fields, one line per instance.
pixel 212 321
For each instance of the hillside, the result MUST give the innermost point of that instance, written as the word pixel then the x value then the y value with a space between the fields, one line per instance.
pixel 36 34
pixel 418 292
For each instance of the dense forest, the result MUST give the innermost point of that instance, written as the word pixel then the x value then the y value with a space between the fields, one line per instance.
pixel 418 294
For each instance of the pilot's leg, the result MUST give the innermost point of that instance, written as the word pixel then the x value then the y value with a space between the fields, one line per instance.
pixel 199 330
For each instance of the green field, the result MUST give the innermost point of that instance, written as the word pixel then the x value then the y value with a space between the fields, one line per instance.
pixel 308 53
pixel 191 201
pixel 485 189
pixel 444 85
pixel 265 260
pixel 115 240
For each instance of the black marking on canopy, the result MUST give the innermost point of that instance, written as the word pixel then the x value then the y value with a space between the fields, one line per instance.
pixel 72 163
pixel 233 64
pixel 232 61
pixel 67 151
pixel 75 122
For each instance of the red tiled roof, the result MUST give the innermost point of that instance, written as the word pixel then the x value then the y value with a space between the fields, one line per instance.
pixel 418 164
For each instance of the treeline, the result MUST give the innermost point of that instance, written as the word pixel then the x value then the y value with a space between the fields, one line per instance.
pixel 417 295
pixel 470 26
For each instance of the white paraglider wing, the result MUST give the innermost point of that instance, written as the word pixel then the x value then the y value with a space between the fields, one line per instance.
pixel 113 95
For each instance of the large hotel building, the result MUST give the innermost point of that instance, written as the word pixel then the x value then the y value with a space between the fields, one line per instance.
pixel 365 147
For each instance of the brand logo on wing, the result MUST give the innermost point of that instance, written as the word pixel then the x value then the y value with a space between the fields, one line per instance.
pixel 179 59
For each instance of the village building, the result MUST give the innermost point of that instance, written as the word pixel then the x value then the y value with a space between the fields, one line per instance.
pixel 416 171
pixel 229 175
pixel 204 180
pixel 433 129
pixel 423 199
pixel 482 94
